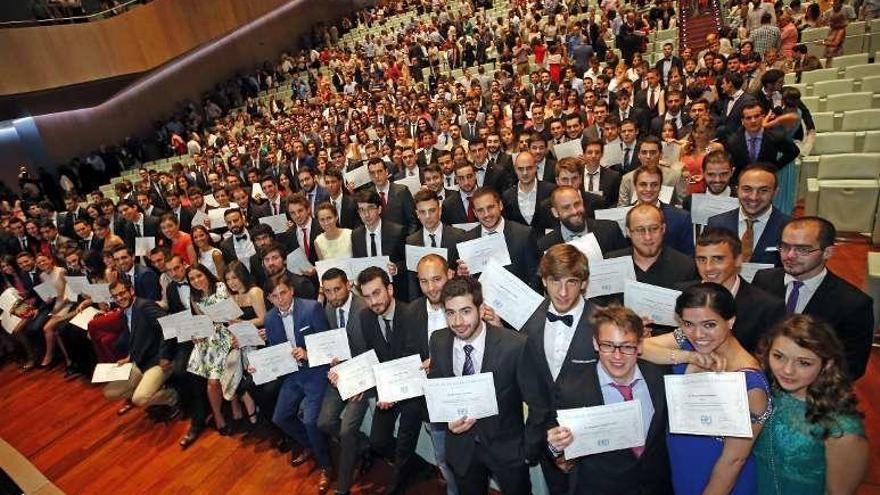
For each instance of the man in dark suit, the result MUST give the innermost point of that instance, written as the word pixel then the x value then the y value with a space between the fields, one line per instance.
pixel 679 230
pixel 729 109
pixel 144 280
pixel 599 180
pixel 568 208
pixel 145 203
pixel 251 210
pixel 478 448
pixel 433 233
pixel 340 418
pixel 385 324
pixel 497 175
pixel 305 387
pixel 470 127
pixel 545 162
pixel 619 376
pixel 346 208
pixel 274 258
pixel 396 200
pixel 674 113
pixel 520 240
pixel 309 188
pixel 718 259
pixel 300 159
pixel 556 378
pixel 137 224
pixel 410 166
pixel 803 61
pixel 665 64
pixel 499 171
pixel 19 240
pixel 458 208
pixel 521 200
pixel 808 287
pixel 184 215
pixel 148 352
pixel 91 245
pixel 752 143
pixel 379 237
pixel 757 222
pixel 276 204
pixel 626 112
pixel 72 212
pixel 240 245
pixel 717 172
pixel 305 228
pixel 191 387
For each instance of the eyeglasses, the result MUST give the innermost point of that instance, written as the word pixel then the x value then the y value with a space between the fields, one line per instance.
pixel 625 349
pixel 798 250
pixel 119 295
pixel 650 229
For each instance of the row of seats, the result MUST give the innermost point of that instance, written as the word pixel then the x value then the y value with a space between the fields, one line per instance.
pixel 853 67
pixel 846 191
pixel 842 102
pixel 851 120
pixel 868 84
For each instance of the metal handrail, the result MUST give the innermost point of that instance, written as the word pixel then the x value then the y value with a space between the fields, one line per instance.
pixel 125 6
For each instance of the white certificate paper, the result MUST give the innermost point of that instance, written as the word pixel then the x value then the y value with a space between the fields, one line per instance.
pixel 74 284
pixel 412 183
pixel 222 311
pixel 510 297
pixel 246 334
pixel 297 261
pixel 705 206
pixel 711 404
pixel 111 372
pixel 83 318
pixel 277 222
pixel 568 149
pixel 171 323
pixel 453 398
pixel 272 362
pixel 588 245
pixel 466 226
pixel 399 379
pixel 356 374
pixel 195 327
pixel 9 321
pixel 8 299
pixel 215 215
pixel 46 291
pixel 615 215
pixel 657 303
pixel 324 346
pixel 748 270
pixel 477 252
pixel 610 276
pixel 358 176
pixel 414 254
pixel 99 293
pixel 603 428
pixel 143 245
pixel 666 194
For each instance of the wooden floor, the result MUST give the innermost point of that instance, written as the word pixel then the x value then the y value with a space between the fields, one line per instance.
pixel 71 434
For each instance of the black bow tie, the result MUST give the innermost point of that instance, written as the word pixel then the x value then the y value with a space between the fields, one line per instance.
pixel 480 169
pixel 567 319
pixel 183 284
pixel 241 238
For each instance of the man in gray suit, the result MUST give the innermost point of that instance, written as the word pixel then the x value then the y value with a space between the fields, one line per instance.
pixel 341 419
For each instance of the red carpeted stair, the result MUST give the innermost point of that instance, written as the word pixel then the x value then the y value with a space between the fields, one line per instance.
pixel 694 28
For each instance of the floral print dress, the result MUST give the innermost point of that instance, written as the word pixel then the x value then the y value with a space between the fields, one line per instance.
pixel 208 357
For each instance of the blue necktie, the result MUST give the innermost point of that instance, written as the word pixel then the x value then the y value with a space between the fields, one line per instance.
pixel 341 317
pixel 791 304
pixel 468 368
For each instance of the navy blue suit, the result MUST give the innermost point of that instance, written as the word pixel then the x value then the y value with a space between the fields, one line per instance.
pixel 146 283
pixel 307 385
pixel 679 229
pixel 765 250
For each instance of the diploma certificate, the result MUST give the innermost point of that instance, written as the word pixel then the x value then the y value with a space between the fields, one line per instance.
pixel 323 347
pixel 610 276
pixel 748 270
pixel 615 215
pixel 399 379
pixel 414 254
pixel 453 398
pixel 657 303
pixel 272 362
pixel 603 428
pixel 277 222
pixel 711 404
pixel 111 372
pixel 510 297
pixel 705 205
pixel 356 374
pixel 477 252
pixel 246 334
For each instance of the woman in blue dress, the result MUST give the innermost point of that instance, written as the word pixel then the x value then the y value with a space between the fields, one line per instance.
pixel 815 441
pixel 705 342
pixel 789 116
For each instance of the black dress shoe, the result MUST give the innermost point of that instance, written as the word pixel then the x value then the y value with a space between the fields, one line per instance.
pixel 190 438
pixel 301 458
pixel 71 372
pixel 367 461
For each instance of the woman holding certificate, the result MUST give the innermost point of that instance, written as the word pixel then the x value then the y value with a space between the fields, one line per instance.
pixel 815 442
pixel 334 242
pixel 704 341
pixel 208 357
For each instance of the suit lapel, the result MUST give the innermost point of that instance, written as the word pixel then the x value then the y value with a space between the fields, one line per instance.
pixel 581 343
pixel 490 352
pixel 818 304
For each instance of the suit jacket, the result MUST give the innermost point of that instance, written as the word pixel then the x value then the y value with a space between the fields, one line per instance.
pixel 290 239
pixel 676 62
pixel 523 249
pixel 731 122
pixel 658 121
pixel 254 211
pixel 542 393
pixel 501 436
pixel 393 236
pixel 146 283
pixel 308 318
pixel 776 148
pixel 146 344
pixel 500 174
pixel 609 185
pixel 393 347
pixel 510 199
pixel 150 229
pixel 172 297
pixel 348 215
pixel 607 233
pixel 765 250
pixel 467 134
pixel 846 308
pixel 619 471
pixel 185 218
pixel 454 210
pixel 549 175
pixel 450 238
pixel 352 323
pixel 679 229
pixel 400 207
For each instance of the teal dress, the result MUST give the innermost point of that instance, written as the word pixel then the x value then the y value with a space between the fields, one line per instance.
pixel 790 452
pixel 786 178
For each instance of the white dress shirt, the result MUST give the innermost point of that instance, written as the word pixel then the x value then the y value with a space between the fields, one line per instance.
pixel 527 201
pixel 458 355
pixel 436 317
pixel 557 336
pixel 378 233
pixel 499 228
pixel 807 290
pixel 244 248
pixel 437 233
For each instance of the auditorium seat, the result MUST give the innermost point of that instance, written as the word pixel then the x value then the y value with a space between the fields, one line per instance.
pixel 862 70
pixel 837 86
pixel 834 142
pixel 814 103
pixel 824 121
pixel 871 83
pixel 872 142
pixel 848 60
pixel 849 101
pixel 873 280
pixel 851 205
pixel 861 120
pixel 855 44
pixel 805 89
pixel 814 34
pixel 818 75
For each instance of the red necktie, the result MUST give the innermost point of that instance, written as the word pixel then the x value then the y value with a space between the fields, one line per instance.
pixel 384 201
pixel 306 248
pixel 472 217
pixel 627 392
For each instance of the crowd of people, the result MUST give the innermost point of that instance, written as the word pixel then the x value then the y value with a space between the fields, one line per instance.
pixel 389 151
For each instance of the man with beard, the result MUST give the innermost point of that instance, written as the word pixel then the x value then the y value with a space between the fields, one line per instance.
pixel 275 265
pixel 239 246
pixel 567 206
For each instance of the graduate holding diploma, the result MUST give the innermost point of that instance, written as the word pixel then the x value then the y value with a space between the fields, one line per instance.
pixel 478 448
pixel 618 377
pixel 704 342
